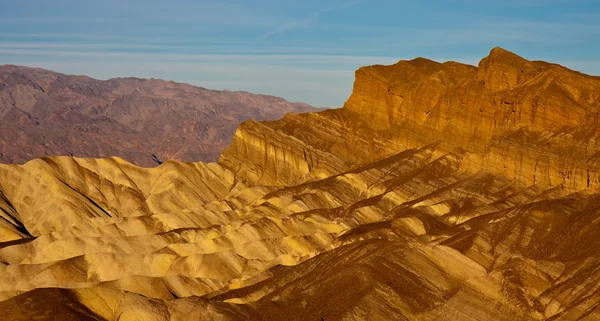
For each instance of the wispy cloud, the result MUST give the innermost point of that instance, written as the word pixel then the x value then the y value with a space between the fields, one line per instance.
pixel 308 21
pixel 53 20
pixel 289 26
pixel 262 58
pixel 476 31
pixel 196 48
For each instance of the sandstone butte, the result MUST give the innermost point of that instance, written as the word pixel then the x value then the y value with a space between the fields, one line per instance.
pixel 144 121
pixel 440 191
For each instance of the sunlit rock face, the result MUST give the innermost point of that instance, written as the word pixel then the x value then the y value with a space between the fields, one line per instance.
pixel 439 192
pixel 531 121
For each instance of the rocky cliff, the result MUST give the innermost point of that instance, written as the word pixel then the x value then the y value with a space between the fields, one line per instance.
pixel 439 192
pixel 531 121
pixel 144 121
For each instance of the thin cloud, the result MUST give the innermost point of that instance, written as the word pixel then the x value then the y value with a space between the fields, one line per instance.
pixel 53 20
pixel 289 26
pixel 196 47
pixel 481 32
pixel 308 21
pixel 225 58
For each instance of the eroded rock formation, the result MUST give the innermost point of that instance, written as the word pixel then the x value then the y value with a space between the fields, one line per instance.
pixel 439 192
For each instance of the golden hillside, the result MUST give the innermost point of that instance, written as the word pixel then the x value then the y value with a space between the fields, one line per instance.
pixel 439 192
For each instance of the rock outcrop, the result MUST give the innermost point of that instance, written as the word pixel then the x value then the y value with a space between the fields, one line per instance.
pixel 439 192
pixel 532 121
pixel 144 121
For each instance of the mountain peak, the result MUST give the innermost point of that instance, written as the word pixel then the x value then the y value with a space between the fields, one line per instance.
pixel 502 69
pixel 499 51
pixel 505 57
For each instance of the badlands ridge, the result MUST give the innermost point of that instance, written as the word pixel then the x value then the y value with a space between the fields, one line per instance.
pixel 441 191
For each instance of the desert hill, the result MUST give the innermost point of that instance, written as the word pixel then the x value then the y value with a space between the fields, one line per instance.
pixel 441 191
pixel 145 121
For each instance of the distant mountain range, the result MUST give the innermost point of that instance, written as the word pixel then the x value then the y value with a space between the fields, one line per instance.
pixel 144 121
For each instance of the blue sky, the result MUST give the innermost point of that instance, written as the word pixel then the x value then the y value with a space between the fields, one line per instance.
pixel 300 50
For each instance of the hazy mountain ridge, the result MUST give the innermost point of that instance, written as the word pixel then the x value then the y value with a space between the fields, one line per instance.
pixel 43 113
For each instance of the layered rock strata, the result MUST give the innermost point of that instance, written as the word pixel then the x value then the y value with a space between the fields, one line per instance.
pixel 439 192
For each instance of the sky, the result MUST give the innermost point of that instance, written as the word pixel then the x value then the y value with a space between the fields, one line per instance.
pixel 300 50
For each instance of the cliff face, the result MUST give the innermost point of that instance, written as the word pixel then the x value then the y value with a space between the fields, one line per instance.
pixel 439 192
pixel 532 121
pixel 145 121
